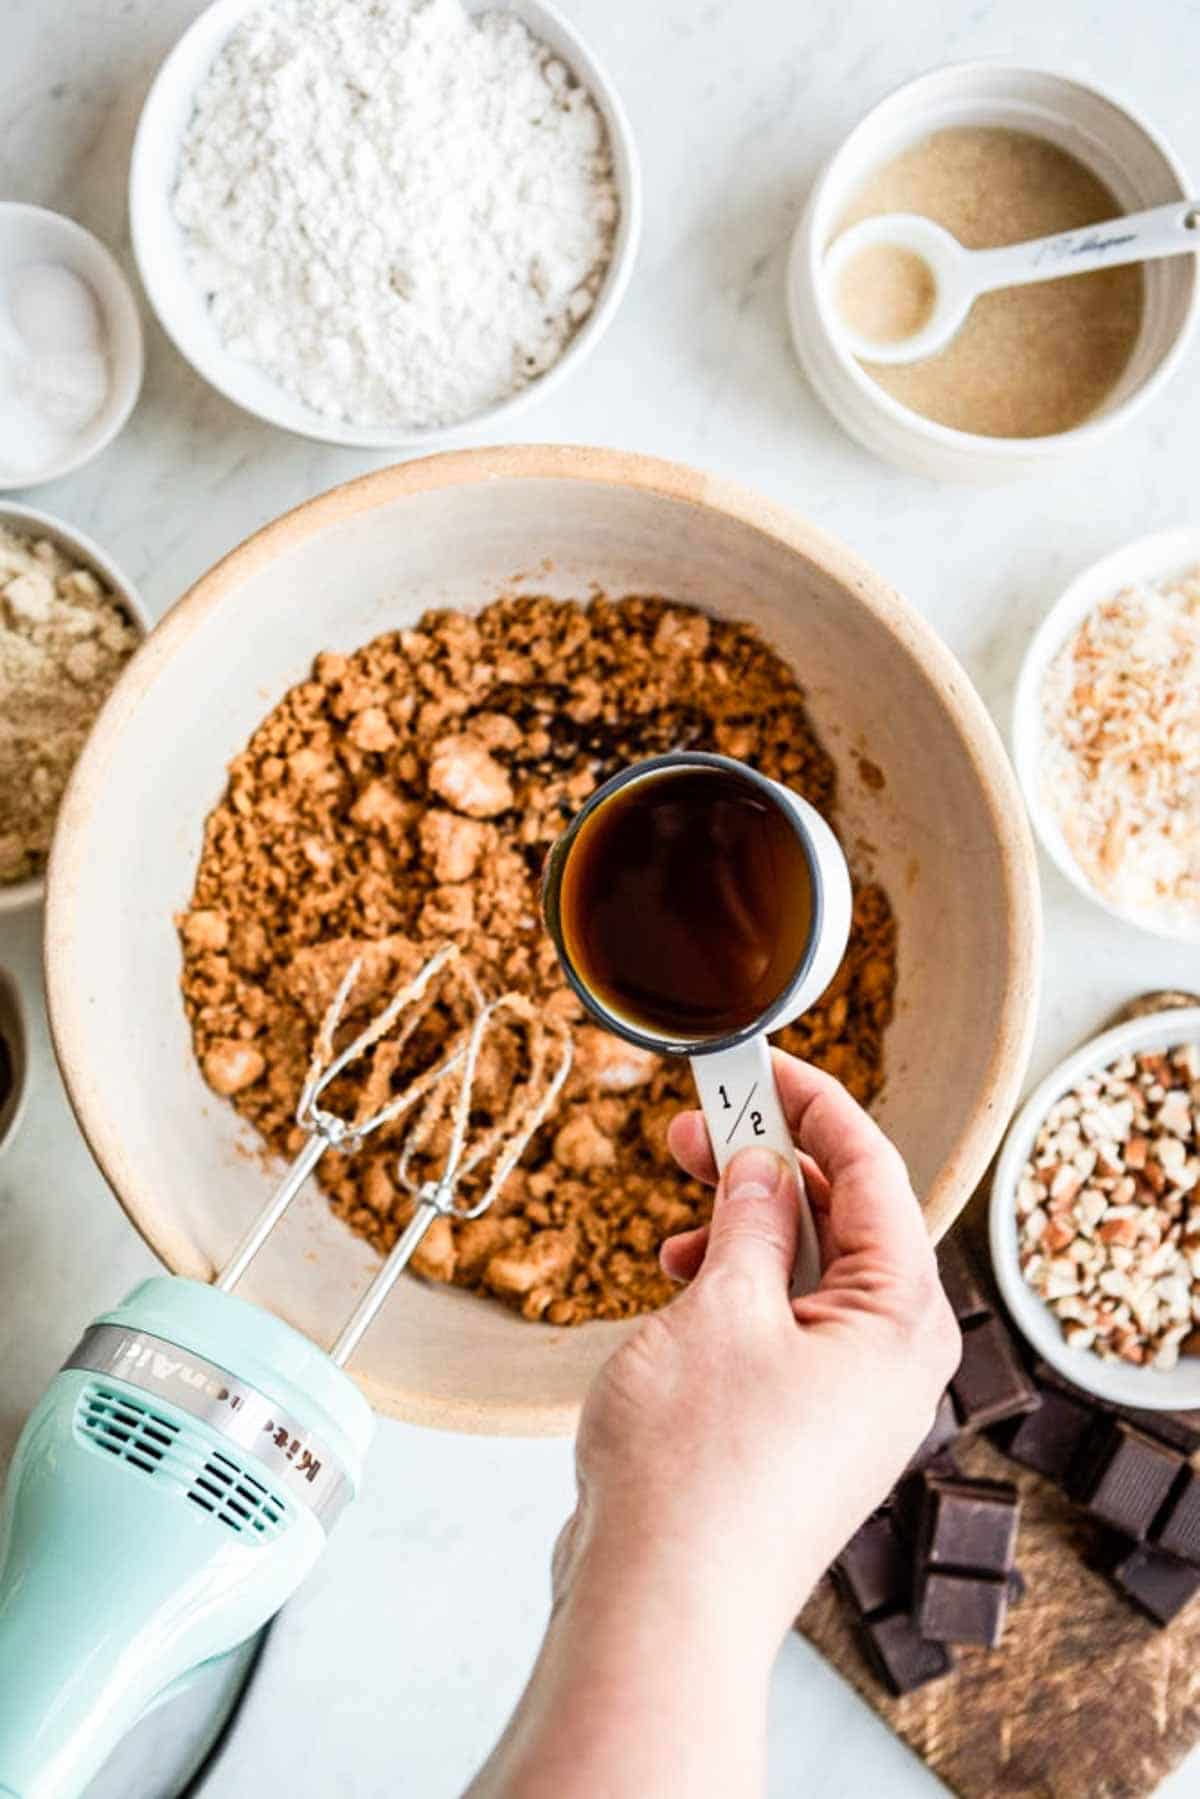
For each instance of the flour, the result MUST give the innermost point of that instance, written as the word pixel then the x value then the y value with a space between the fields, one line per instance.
pixel 400 212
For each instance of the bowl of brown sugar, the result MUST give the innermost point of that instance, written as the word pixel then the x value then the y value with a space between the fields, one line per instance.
pixel 996 155
pixel 382 710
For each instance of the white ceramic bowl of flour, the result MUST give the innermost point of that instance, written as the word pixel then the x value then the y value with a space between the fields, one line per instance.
pixel 183 308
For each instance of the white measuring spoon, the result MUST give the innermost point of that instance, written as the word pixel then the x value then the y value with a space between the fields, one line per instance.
pixel 960 276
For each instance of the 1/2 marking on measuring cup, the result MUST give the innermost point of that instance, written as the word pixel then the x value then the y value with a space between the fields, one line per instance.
pixel 756 1118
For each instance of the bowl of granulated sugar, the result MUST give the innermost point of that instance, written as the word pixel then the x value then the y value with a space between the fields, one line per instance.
pixel 436 230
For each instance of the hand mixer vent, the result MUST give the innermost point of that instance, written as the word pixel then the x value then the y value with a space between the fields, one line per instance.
pixel 182 1456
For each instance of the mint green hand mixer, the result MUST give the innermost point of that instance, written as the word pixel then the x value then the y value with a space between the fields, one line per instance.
pixel 179 1477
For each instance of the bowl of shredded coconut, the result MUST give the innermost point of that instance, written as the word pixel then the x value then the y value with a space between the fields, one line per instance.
pixel 378 225
pixel 1106 733
pixel 69 622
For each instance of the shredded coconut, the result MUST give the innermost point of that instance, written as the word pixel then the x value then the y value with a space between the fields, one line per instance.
pixel 400 212
pixel 63 641
pixel 1121 760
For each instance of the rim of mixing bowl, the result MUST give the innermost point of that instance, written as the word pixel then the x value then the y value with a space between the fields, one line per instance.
pixel 677 482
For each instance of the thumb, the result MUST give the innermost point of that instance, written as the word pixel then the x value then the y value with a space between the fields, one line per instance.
pixel 755 1218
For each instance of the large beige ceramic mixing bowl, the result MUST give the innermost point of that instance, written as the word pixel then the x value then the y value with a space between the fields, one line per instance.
pixel 947 834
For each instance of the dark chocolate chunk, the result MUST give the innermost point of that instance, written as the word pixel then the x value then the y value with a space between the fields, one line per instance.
pixel 1123 1477
pixel 1180 1429
pixel 969 1524
pixel 966 1296
pixel 1158 1584
pixel 1178 1529
pixel 1049 1439
pixel 942 1432
pixel 961 1608
pixel 873 1570
pixel 1018 1586
pixel 900 1655
pixel 990 1384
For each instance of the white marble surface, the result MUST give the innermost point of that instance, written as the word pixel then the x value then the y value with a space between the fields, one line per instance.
pixel 395 1668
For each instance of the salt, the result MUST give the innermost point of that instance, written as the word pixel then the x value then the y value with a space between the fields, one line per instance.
pixel 54 374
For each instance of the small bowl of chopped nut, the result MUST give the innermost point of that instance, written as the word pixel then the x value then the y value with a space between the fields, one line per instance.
pixel 1106 733
pixel 69 622
pixel 1095 1214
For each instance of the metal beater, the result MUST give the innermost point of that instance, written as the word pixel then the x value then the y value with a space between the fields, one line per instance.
pixel 178 1478
pixel 507 1140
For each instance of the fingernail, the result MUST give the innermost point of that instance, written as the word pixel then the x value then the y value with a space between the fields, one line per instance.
pixel 754 1174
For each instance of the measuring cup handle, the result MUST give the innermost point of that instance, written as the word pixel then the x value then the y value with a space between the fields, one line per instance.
pixel 741 1108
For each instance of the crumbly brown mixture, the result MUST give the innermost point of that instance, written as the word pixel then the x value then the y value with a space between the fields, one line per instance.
pixel 408 794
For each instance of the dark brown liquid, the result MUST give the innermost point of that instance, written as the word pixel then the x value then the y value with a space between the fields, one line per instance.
pixel 686 903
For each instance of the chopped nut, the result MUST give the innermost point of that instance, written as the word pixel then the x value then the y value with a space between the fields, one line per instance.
pixel 580 1145
pixel 1175 1114
pixel 371 730
pixel 453 844
pixel 468 778
pixel 609 1064
pixel 1122 1230
pixel 1066 1183
pixel 1058 1234
pixel 204 930
pixel 231 1066
pixel 1091 1208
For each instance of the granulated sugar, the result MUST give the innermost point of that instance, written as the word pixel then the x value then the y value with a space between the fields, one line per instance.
pixel 401 213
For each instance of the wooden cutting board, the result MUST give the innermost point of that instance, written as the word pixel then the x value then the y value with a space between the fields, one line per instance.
pixel 1084 1699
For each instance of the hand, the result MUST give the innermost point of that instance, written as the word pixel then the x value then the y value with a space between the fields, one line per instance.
pixel 726 1453
pixel 741 1436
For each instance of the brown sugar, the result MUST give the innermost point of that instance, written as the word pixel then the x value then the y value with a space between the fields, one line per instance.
pixel 407 794
pixel 1029 361
pixel 886 294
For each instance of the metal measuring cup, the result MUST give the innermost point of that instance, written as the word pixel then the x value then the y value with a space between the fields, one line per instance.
pixel 733 1073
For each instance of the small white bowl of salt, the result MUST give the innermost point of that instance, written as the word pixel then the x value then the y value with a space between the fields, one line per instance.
pixel 71 354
